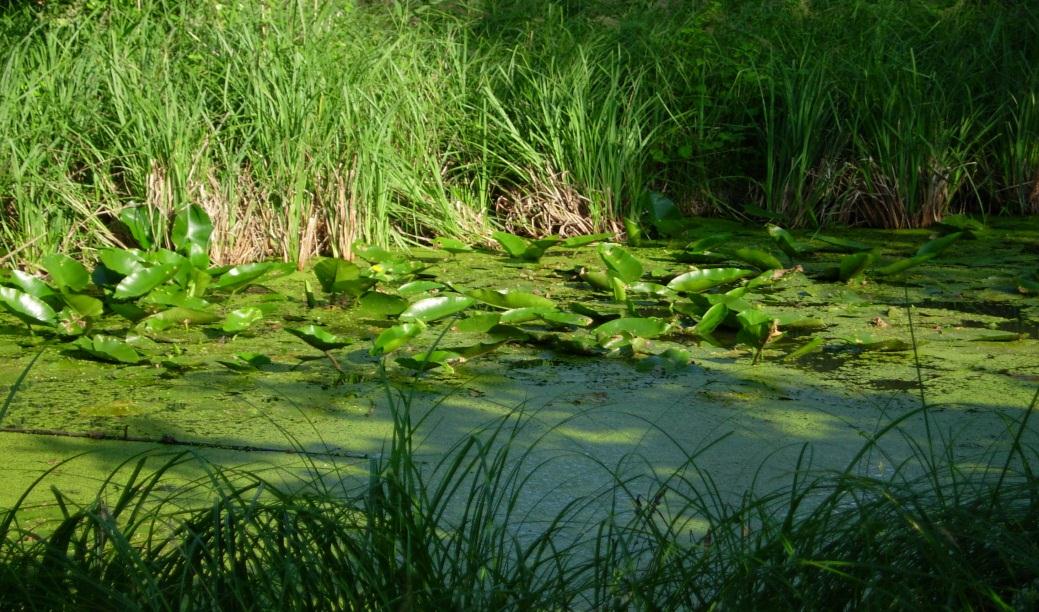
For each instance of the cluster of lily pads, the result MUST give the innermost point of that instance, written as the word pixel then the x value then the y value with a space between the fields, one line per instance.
pixel 628 312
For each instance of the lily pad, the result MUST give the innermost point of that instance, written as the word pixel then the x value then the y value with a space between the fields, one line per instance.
pixel 242 319
pixel 620 262
pixel 378 304
pixel 695 281
pixel 66 273
pixel 639 327
pixel 143 280
pixel 317 337
pixel 418 287
pixel 452 245
pixel 240 276
pixel 393 338
pixel 29 308
pixel 478 323
pixel 510 299
pixel 107 348
pixel 431 309
pixel 758 258
pixel 580 241
pixel 853 265
pixel 192 229
pixel 785 241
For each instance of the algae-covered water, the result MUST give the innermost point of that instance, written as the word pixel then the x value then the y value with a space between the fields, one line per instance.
pixel 592 416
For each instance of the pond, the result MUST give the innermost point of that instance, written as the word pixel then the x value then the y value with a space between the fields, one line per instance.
pixel 616 360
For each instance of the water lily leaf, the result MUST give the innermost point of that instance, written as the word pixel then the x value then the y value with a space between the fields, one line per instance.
pixel 419 287
pixel 903 264
pixel 712 319
pixel 507 333
pixel 332 272
pixel 705 243
pixel 699 257
pixel 514 245
pixel 242 319
pixel 143 280
pixel 238 277
pixel 633 326
pixel 122 261
pixel 519 315
pixel 757 328
pixel 559 317
pixel 579 241
pixel 246 362
pixel 644 288
pixel 392 338
pixel 807 348
pixel 192 229
pixel 138 221
pixel 128 310
pixel 695 281
pixel 843 245
pixel 662 208
pixel 317 337
pixel 510 299
pixel 785 241
pixel 65 272
pixel 673 359
pixel 170 295
pixel 632 231
pixel 475 350
pixel 107 348
pixel 29 308
pixel 33 285
pixel 758 258
pixel 595 278
pixel 84 305
pixel 374 254
pixel 452 245
pixel 478 323
pixel 936 246
pixel 71 323
pixel 429 360
pixel 961 223
pixel 178 315
pixel 620 262
pixel 431 309
pixel 378 304
pixel 854 265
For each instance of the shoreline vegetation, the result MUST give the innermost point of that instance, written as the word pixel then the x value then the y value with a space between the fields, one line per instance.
pixel 302 127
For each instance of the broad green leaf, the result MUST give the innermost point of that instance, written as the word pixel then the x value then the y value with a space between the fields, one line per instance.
pixel 122 261
pixel 478 323
pixel 962 223
pixel 374 254
pixel 699 257
pixel 107 348
pixel 620 262
pixel 84 305
pixel 33 285
pixel 707 242
pixel 241 319
pixel 870 342
pixel 65 272
pixel 644 288
pixel 785 241
pixel 673 359
pixel 71 323
pixel 559 317
pixel 429 360
pixel 758 258
pixel 695 281
pixel 29 308
pixel 338 275
pixel 597 279
pixel 854 264
pixel 317 337
pixel 843 245
pixel 178 315
pixel 633 326
pixel 712 318
pixel 633 232
pixel 378 304
pixel 431 309
pixel 903 264
pixel 392 338
pixel 246 362
pixel 192 229
pixel 519 315
pixel 936 246
pixel 239 276
pixel 510 299
pixel 128 310
pixel 419 287
pixel 138 221
pixel 580 241
pixel 452 245
pixel 807 348
pixel 514 245
pixel 171 295
pixel 143 280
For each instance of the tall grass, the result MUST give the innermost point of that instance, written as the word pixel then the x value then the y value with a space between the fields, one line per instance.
pixel 303 126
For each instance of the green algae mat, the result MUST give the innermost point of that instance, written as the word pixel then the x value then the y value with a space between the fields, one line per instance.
pixel 743 343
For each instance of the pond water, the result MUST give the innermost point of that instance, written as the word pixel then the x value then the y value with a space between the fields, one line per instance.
pixel 591 417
